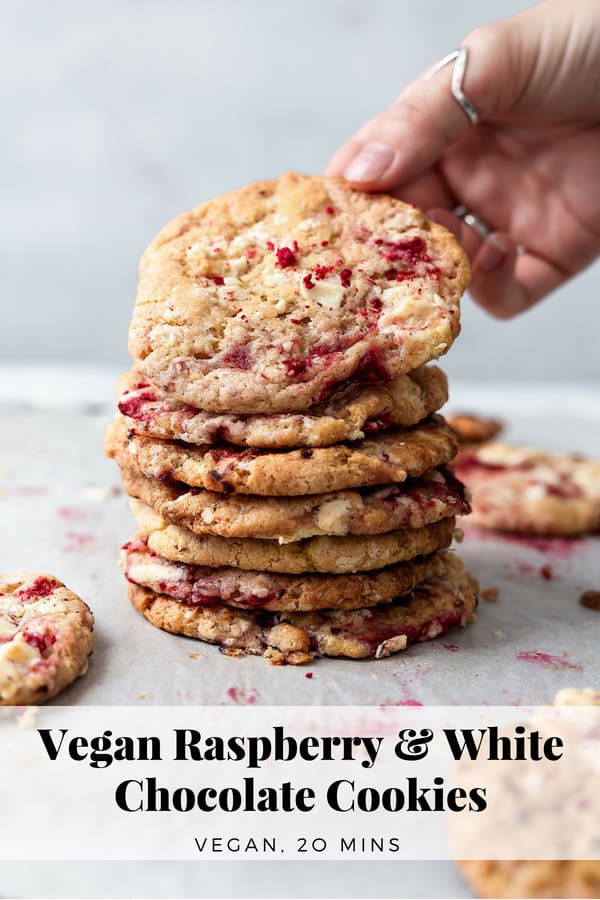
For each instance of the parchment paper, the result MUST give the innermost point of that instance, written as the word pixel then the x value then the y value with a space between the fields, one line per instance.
pixel 64 512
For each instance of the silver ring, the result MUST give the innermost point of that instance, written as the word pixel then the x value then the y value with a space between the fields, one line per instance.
pixel 479 226
pixel 459 58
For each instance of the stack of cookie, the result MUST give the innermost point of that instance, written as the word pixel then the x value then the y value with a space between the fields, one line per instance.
pixel 278 432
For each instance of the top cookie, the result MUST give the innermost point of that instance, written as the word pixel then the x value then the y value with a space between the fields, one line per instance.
pixel 263 299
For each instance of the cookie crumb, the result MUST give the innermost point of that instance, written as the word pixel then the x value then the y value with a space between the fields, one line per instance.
pixel 195 655
pixel 26 718
pixel 242 696
pixel 97 494
pixel 490 594
pixel 591 600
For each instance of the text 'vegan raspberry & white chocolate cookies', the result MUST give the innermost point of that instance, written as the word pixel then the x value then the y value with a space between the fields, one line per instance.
pixel 279 430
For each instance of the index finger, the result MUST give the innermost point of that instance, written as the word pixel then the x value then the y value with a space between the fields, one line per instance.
pixel 398 145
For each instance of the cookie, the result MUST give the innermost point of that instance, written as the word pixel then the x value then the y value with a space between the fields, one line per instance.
pixel 390 457
pixel 253 590
pixel 533 878
pixel 45 638
pixel 334 555
pixel 413 504
pixel 540 878
pixel 577 697
pixel 237 633
pixel 434 607
pixel 262 300
pixel 472 429
pixel 351 412
pixel 529 491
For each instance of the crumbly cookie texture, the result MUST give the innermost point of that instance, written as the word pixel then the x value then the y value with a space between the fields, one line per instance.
pixel 413 504
pixel 473 429
pixel 334 555
pixel 533 878
pixel 434 607
pixel 45 638
pixel 254 590
pixel 530 491
pixel 390 457
pixel 266 297
pixel 353 411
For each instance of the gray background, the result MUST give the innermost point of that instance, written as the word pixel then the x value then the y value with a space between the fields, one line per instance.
pixel 118 115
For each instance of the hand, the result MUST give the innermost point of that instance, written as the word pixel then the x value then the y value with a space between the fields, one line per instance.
pixel 530 168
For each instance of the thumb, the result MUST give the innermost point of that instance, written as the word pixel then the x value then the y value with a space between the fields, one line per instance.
pixel 404 141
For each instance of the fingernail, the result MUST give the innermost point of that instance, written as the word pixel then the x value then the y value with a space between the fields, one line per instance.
pixel 493 254
pixel 370 163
